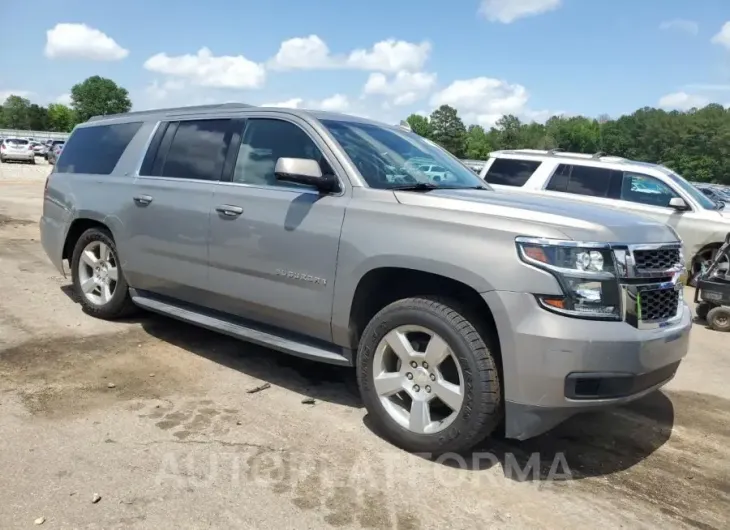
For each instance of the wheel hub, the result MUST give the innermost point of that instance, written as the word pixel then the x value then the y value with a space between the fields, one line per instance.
pixel 421 377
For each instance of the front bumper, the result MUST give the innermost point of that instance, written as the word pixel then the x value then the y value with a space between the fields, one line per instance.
pixel 555 366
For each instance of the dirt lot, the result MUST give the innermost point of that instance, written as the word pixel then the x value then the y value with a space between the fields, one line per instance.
pixel 153 416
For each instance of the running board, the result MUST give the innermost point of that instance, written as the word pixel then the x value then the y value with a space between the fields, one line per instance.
pixel 244 332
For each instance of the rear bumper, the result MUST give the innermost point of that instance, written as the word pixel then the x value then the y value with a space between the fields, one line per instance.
pixel 52 240
pixel 555 367
pixel 18 156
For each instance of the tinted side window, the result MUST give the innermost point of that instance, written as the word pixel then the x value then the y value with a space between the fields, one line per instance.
pixel 509 172
pixel 591 181
pixel 96 150
pixel 644 189
pixel 559 180
pixel 197 150
pixel 264 141
pixel 152 150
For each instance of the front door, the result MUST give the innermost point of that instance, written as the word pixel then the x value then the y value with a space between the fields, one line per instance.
pixel 273 245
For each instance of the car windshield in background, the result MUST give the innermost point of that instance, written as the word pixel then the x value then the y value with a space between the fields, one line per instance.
pixel 697 195
pixel 392 158
pixel 16 142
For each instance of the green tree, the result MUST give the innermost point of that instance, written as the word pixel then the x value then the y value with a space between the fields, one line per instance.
pixel 38 117
pixel 419 125
pixel 16 113
pixel 60 118
pixel 448 130
pixel 97 96
pixel 478 144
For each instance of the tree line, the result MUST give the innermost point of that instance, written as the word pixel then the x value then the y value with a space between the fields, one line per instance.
pixel 92 97
pixel 696 143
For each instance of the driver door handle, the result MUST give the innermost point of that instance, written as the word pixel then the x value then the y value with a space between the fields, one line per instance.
pixel 142 200
pixel 229 210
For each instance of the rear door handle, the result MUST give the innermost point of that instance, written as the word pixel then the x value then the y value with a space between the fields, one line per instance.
pixel 143 200
pixel 229 210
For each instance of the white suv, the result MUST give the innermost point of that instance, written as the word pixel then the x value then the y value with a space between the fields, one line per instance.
pixel 648 189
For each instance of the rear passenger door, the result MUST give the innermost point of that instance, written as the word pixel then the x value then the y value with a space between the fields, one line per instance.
pixel 273 250
pixel 169 208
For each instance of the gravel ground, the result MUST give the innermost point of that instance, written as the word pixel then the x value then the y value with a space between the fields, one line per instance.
pixel 153 416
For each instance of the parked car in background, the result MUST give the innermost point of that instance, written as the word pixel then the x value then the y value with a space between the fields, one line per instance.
pixel 50 144
pixel 38 148
pixel 715 193
pixel 17 149
pixel 651 190
pixel 309 232
pixel 54 152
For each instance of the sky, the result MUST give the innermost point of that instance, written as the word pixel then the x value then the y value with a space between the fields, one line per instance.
pixel 383 59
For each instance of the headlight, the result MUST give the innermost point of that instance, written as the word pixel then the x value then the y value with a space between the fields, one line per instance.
pixel 585 272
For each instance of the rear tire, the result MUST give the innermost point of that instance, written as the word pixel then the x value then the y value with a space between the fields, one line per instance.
pixel 94 257
pixel 398 412
pixel 719 318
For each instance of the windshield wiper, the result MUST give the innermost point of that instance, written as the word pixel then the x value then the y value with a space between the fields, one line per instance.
pixel 427 186
pixel 420 186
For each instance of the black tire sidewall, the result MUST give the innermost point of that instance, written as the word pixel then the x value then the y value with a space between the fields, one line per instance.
pixel 473 407
pixel 702 309
pixel 117 305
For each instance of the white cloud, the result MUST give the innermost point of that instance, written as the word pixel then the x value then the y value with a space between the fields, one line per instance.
pixel 336 103
pixel 723 37
pixel 404 88
pixel 64 99
pixel 507 11
pixel 679 24
pixel 391 56
pixel 682 101
pixel 312 53
pixel 293 103
pixel 161 90
pixel 79 41
pixel 484 100
pixel 205 69
pixel 302 53
pixel 5 94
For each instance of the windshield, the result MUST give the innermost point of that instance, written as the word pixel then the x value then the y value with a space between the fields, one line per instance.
pixel 16 141
pixel 699 197
pixel 393 158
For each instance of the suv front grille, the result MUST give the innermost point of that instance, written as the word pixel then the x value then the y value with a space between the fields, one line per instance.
pixel 660 259
pixel 659 304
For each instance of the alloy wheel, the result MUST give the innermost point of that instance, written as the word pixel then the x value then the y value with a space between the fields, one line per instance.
pixel 418 379
pixel 98 273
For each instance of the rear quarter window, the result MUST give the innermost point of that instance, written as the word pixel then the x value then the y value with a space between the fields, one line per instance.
pixel 511 172
pixel 97 149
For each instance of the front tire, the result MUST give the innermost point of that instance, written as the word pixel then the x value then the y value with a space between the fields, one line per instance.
pixel 719 318
pixel 428 378
pixel 98 279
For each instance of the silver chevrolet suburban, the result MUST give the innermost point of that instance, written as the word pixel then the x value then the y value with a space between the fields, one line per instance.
pixel 464 310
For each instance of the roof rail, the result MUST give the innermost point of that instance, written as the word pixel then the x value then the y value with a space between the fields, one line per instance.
pixel 555 150
pixel 192 108
pixel 599 154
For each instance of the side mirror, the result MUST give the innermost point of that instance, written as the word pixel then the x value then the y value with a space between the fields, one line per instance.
pixel 679 204
pixel 304 171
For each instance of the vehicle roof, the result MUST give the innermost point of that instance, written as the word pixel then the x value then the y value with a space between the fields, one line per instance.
pixel 559 155
pixel 217 109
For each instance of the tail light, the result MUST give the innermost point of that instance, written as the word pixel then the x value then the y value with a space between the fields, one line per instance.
pixel 2 147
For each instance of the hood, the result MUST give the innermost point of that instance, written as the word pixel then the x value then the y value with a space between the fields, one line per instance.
pixel 577 220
